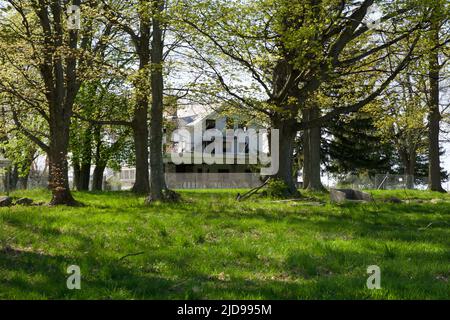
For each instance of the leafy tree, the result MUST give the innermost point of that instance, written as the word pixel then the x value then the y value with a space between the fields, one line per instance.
pixel 50 62
pixel 93 139
pixel 400 118
pixel 148 40
pixel 288 50
pixel 437 36
pixel 16 148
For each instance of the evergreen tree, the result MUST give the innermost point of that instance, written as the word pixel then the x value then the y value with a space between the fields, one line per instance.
pixel 353 146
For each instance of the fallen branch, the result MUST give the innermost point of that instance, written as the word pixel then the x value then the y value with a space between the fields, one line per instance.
pixel 131 255
pixel 252 191
pixel 287 200
pixel 432 223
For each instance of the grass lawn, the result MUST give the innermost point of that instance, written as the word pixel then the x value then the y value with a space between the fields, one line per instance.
pixel 212 247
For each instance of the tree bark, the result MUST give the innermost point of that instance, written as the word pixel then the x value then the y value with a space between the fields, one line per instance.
pixel 100 163
pixel 86 159
pixel 410 170
pixel 140 120
pixel 97 180
pixel 285 121
pixel 434 117
pixel 13 178
pixel 288 133
pixel 315 135
pixel 157 178
pixel 58 165
pixel 76 174
pixel 306 152
pixel 85 176
pixel 25 167
pixel 140 134
pixel 59 73
pixel 408 158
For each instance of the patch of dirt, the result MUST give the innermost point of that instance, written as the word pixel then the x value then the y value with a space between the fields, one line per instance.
pixel 441 277
pixel 14 251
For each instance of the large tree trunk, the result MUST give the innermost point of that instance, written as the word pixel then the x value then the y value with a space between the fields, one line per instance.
pixel 288 133
pixel 306 172
pixel 59 74
pixel 140 120
pixel 26 167
pixel 58 166
pixel 86 159
pixel 157 178
pixel 11 178
pixel 408 158
pixel 315 135
pixel 410 170
pixel 97 180
pixel 140 133
pixel 76 174
pixel 286 122
pixel 85 177
pixel 100 163
pixel 434 117
pixel 14 178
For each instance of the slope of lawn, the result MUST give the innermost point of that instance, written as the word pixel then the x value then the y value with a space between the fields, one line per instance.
pixel 212 247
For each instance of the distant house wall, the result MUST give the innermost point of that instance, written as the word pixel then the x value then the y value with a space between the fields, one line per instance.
pixel 199 175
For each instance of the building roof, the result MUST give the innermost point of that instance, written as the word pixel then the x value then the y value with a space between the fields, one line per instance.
pixel 194 114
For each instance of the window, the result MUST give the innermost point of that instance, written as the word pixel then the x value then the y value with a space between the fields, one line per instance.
pixel 210 124
pixel 183 168
pixel 242 125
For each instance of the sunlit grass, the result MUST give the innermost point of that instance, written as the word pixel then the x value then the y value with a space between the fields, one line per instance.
pixel 211 247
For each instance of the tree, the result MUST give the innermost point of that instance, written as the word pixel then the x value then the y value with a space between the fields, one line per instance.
pixel 111 149
pixel 123 16
pixel 312 151
pixel 95 136
pixel 149 47
pixel 289 50
pixel 355 146
pixel 81 147
pixel 400 119
pixel 439 18
pixel 158 186
pixel 17 149
pixel 54 59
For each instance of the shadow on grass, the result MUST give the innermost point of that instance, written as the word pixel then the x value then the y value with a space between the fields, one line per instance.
pixel 172 268
pixel 327 272
pixel 45 277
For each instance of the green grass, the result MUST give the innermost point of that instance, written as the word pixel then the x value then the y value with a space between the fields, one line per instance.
pixel 212 247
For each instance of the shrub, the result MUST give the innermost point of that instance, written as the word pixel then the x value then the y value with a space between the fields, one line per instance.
pixel 277 189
